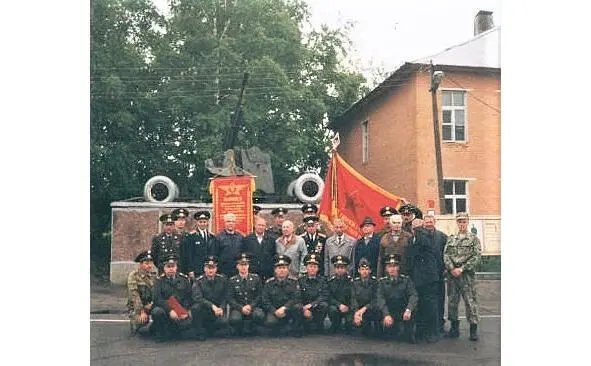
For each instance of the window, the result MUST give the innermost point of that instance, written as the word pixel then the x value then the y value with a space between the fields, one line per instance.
pixel 456 196
pixel 454 115
pixel 365 141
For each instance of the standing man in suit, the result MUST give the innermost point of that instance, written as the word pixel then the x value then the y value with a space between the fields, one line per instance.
pixel 439 238
pixel 368 246
pixel 261 248
pixel 338 244
pixel 230 245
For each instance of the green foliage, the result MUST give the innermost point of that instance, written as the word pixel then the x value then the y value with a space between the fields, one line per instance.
pixel 163 90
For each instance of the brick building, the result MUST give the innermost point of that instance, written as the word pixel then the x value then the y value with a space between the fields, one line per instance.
pixel 388 135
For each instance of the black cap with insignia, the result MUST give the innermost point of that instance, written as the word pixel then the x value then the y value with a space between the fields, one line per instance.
pixel 309 208
pixel 211 261
pixel 170 258
pixel 279 211
pixel 340 260
pixel 388 211
pixel 202 215
pixel 144 256
pixel 256 209
pixel 243 258
pixel 282 260
pixel 179 213
pixel 167 219
pixel 392 259
pixel 312 258
pixel 311 220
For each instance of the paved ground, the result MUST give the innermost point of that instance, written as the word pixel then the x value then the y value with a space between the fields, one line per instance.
pixel 112 344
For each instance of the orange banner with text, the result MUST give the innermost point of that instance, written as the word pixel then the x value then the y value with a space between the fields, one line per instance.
pixel 232 195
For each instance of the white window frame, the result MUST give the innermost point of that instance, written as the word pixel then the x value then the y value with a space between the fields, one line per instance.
pixel 454 196
pixel 453 109
pixel 365 141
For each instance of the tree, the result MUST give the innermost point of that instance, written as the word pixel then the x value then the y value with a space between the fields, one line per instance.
pixel 163 90
pixel 122 151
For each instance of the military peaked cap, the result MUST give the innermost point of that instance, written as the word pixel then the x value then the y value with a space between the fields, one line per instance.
pixel 202 215
pixel 144 256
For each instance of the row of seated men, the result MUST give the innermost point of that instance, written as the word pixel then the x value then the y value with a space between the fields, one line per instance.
pixel 282 305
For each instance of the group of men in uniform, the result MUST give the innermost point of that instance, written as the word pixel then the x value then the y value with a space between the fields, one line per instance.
pixel 276 281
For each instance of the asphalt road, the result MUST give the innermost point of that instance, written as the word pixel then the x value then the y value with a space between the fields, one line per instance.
pixel 111 344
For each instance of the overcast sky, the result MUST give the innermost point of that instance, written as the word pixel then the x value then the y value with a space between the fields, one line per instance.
pixel 389 32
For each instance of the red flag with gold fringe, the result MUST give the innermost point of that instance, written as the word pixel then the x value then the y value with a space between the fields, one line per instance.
pixel 352 197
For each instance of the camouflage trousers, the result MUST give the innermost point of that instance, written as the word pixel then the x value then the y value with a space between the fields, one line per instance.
pixel 462 286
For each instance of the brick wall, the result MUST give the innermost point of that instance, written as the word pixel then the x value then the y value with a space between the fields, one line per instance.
pixel 401 153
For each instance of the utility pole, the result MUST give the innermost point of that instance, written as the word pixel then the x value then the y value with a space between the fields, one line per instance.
pixel 435 80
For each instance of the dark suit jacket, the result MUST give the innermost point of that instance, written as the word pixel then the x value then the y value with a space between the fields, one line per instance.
pixel 423 258
pixel 370 252
pixel 261 261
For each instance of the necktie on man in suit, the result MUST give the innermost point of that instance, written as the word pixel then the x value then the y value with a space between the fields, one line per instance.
pixel 339 238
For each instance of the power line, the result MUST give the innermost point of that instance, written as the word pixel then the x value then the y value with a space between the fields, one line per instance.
pixel 473 96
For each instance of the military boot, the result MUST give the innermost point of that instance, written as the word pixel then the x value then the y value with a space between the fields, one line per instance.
pixel 454 331
pixel 473 332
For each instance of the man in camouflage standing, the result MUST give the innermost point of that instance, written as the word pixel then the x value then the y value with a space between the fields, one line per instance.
pixel 461 256
pixel 140 287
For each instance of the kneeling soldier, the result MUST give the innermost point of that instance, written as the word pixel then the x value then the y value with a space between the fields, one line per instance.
pixel 210 291
pixel 281 299
pixel 172 301
pixel 244 296
pixel 339 287
pixel 363 302
pixel 314 290
pixel 140 286
pixel 397 299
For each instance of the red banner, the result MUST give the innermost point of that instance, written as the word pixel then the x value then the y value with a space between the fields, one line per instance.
pixel 232 195
pixel 352 197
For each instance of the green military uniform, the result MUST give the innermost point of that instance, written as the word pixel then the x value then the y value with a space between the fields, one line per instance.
pixel 340 293
pixel 244 291
pixel 309 209
pixel 314 291
pixel 462 251
pixel 396 295
pixel 279 293
pixel 140 289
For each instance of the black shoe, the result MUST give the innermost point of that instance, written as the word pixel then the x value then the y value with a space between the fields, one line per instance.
pixel 454 331
pixel 473 332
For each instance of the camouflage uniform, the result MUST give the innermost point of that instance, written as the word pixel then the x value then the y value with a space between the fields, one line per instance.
pixel 140 288
pixel 463 251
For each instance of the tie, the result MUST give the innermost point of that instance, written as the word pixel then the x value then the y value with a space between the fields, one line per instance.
pixel 244 281
pixel 339 240
pixel 204 235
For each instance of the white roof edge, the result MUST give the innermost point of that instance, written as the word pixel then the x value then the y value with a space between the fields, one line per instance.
pixel 423 60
